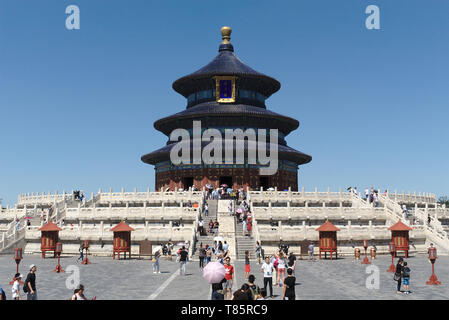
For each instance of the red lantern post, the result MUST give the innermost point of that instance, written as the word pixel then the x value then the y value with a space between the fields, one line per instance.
pixel 86 246
pixel 18 257
pixel 432 257
pixel 392 249
pixel 365 246
pixel 58 252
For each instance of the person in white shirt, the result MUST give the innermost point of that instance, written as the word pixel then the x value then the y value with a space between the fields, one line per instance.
pixel 79 293
pixel 267 269
pixel 366 194
pixel 16 287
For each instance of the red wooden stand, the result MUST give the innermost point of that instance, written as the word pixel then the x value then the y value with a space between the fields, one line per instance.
pixel 58 251
pixel 433 278
pixel 17 271
pixel 365 260
pixel 392 266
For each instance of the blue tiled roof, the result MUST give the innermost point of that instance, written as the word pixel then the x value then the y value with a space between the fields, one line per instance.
pixel 226 63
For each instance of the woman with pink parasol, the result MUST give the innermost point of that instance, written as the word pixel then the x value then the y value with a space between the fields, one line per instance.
pixel 214 273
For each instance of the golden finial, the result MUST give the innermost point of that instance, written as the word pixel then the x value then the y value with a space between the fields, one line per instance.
pixel 226 35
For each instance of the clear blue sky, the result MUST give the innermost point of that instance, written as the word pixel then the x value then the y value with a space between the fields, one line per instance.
pixel 77 107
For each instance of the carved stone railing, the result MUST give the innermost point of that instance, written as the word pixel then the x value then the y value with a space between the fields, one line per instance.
pixel 351 232
pixel 43 199
pixel 132 213
pixel 177 196
pixel 103 232
pixel 348 213
pixel 413 198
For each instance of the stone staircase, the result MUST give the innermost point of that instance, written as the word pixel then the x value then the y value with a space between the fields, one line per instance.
pixel 209 238
pixel 244 243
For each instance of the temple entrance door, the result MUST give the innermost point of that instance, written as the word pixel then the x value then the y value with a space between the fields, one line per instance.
pixel 187 182
pixel 226 180
pixel 264 182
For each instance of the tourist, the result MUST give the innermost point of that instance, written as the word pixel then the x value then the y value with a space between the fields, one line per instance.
pixel 311 251
pixel 183 260
pixel 211 226
pixel 30 284
pixel 405 211
pixel 17 224
pixel 225 246
pixel 217 290
pixel 366 194
pixel 16 287
pixel 398 274
pixel 230 208
pixel 254 289
pixel 245 227
pixel 216 225
pixel 229 276
pixel 258 251
pixel 262 294
pixel 267 269
pixel 289 288
pixel 206 210
pixel 243 293
pixel 275 261
pixel 292 262
pixel 79 293
pixel 283 247
pixel 81 250
pixel 376 199
pixel 2 294
pixel 208 254
pixel 200 227
pixel 247 264
pixel 155 261
pixel 281 269
pixel 406 278
pixel 201 255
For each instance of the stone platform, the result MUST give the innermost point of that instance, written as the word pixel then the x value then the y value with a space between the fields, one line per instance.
pixel 133 279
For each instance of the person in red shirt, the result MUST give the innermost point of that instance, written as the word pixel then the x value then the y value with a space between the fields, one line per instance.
pixel 229 276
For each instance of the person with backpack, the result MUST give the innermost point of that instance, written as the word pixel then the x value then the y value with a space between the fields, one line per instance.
pixel 30 284
pixel 254 289
pixel 201 255
pixel 183 255
pixel 78 294
pixel 398 274
pixel 16 287
pixel 406 278
pixel 289 287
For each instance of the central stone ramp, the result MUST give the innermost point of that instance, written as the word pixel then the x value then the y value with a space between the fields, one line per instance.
pixel 227 227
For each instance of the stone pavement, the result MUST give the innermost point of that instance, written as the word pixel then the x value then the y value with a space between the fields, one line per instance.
pixel 133 279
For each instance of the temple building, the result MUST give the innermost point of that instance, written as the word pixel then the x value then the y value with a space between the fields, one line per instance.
pixel 226 94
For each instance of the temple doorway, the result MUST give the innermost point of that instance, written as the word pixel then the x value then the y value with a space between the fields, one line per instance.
pixel 187 182
pixel 226 180
pixel 264 182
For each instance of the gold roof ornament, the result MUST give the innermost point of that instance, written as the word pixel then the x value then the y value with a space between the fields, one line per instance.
pixel 226 35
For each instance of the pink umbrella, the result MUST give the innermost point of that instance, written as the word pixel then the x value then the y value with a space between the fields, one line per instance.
pixel 214 272
pixel 28 218
pixel 239 210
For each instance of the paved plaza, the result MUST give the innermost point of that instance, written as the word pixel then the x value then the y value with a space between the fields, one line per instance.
pixel 133 279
